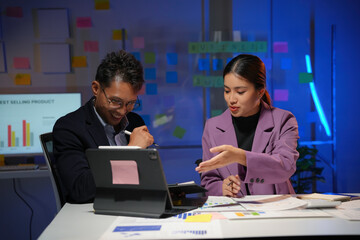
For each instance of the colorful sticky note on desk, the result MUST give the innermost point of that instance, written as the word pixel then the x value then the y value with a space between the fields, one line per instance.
pixel 199 218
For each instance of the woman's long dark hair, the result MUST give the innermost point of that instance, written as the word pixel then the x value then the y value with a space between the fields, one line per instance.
pixel 251 68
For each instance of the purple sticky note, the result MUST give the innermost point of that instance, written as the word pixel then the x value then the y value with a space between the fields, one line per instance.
pixel 124 172
pixel 83 22
pixel 138 42
pixel 16 12
pixel 280 47
pixel 91 46
pixel 21 63
pixel 281 95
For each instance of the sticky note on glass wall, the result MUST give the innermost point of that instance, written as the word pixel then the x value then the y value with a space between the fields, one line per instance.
pixel 171 77
pixel 124 172
pixel 102 4
pixel 78 61
pixel 118 34
pixel 204 64
pixel 83 22
pixel 217 64
pixel 138 42
pixel 280 47
pixel 91 46
pixel 150 73
pixel 16 12
pixel 281 95
pixel 305 77
pixel 151 89
pixel 21 63
pixel 149 57
pixel 23 79
pixel 179 132
pixel 286 63
pixel 172 58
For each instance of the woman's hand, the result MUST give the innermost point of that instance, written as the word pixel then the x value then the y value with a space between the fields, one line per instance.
pixel 231 186
pixel 228 154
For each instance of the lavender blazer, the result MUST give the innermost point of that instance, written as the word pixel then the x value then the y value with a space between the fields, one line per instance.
pixel 271 161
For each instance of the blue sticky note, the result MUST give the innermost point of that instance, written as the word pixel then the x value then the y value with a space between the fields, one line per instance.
pixel 146 119
pixel 172 58
pixel 151 89
pixel 286 63
pixel 150 73
pixel 228 60
pixel 204 64
pixel 217 64
pixel 171 77
pixel 136 55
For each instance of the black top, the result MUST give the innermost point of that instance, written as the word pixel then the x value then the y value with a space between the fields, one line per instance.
pixel 245 128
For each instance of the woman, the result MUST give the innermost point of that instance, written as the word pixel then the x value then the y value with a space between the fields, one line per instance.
pixel 250 149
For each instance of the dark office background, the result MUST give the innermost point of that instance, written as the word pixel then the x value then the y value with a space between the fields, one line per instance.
pixel 174 107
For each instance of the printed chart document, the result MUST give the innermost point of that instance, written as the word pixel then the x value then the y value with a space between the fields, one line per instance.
pixel 173 227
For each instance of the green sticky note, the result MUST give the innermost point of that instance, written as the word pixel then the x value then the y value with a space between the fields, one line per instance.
pixel 216 112
pixel 261 46
pixel 197 80
pixel 179 132
pixel 219 82
pixel 193 47
pixel 149 57
pixel 255 214
pixel 305 77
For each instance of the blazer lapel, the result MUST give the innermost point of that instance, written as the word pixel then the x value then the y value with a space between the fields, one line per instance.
pixel 264 130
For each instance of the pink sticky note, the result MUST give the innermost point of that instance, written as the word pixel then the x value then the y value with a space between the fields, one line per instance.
pixel 280 47
pixel 91 46
pixel 124 172
pixel 21 63
pixel 83 22
pixel 281 95
pixel 14 12
pixel 138 42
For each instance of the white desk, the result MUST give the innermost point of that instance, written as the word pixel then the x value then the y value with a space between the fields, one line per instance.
pixel 78 221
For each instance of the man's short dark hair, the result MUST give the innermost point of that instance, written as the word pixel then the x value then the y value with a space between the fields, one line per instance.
pixel 120 64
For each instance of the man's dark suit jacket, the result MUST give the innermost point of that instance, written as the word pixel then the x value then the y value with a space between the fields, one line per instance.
pixel 73 134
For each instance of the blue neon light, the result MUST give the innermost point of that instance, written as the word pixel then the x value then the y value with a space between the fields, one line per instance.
pixel 316 98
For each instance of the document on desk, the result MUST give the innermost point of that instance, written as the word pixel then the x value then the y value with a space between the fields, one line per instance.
pixel 173 227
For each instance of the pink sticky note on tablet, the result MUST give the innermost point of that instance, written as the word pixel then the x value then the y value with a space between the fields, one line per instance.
pixel 124 172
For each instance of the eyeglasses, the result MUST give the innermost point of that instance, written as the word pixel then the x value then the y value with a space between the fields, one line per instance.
pixel 120 104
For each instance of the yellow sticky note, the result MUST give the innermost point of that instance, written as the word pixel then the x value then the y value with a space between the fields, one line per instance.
pixel 199 218
pixel 78 61
pixel 2 160
pixel 23 79
pixel 118 35
pixel 102 4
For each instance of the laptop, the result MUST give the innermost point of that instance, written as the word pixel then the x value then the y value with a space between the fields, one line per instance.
pixel 131 182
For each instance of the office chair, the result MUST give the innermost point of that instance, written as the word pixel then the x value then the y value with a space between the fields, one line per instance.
pixel 46 140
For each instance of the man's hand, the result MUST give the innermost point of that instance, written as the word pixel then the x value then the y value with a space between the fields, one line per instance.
pixel 141 137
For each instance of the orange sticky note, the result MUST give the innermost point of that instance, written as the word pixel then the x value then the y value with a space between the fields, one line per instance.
pixel 199 218
pixel 124 172
pixel 102 4
pixel 78 61
pixel 118 34
pixel 23 79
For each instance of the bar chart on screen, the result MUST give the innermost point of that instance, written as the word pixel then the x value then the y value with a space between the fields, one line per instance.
pixel 26 116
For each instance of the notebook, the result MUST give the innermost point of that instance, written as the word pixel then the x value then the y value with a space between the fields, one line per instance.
pixel 131 182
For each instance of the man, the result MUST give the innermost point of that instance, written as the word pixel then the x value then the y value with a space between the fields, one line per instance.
pixel 100 122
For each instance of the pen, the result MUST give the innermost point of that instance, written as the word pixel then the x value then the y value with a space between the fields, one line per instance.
pixel 129 133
